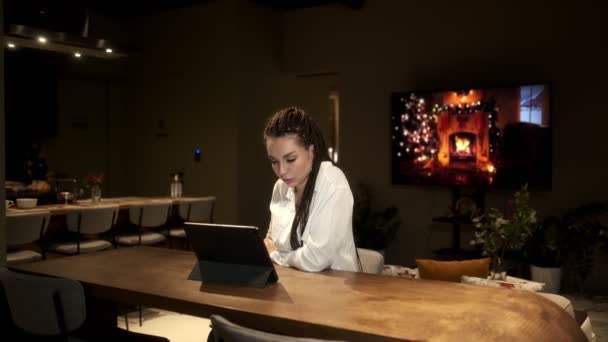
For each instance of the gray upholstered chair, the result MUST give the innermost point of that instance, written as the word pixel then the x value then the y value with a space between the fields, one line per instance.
pixel 88 222
pixel 371 261
pixel 23 231
pixel 226 331
pixel 193 210
pixel 54 309
pixel 145 217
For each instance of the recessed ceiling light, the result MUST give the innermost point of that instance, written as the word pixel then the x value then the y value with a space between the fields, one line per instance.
pixel 42 39
pixel 77 54
pixel 11 45
pixel 108 50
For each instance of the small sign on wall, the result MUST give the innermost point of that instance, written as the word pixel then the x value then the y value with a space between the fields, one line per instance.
pixel 161 129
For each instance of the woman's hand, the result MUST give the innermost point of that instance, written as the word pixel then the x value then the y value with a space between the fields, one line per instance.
pixel 270 245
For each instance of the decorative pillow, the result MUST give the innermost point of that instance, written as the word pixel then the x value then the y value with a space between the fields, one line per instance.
pixel 452 270
pixel 400 271
pixel 510 283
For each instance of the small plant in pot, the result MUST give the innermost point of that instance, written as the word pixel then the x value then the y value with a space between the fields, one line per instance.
pixel 567 244
pixel 373 229
pixel 498 234
pixel 546 252
pixel 586 229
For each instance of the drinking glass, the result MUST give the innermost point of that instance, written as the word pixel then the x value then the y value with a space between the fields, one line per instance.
pixel 65 195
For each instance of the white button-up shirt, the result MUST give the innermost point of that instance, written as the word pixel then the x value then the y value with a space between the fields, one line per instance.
pixel 328 238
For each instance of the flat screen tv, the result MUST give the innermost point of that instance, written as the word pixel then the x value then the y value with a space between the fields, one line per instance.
pixel 496 137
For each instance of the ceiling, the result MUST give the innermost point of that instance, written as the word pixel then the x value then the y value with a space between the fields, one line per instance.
pixel 66 22
pixel 41 10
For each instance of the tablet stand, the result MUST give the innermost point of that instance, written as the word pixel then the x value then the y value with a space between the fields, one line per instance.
pixel 234 274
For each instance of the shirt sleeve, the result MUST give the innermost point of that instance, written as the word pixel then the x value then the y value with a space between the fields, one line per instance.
pixel 269 231
pixel 332 221
pixel 278 258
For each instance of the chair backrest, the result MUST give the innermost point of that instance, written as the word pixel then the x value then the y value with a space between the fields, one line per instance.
pixel 27 227
pixel 226 331
pixel 197 210
pixel 42 305
pixel 150 214
pixel 371 261
pixel 93 220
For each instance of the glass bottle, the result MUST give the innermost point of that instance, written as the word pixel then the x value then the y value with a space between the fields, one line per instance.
pixel 176 186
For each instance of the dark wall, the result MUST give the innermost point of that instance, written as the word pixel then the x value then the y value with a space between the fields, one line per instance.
pixel 2 155
pixel 31 104
pixel 213 73
pixel 236 69
pixel 71 109
pixel 184 93
pixel 394 45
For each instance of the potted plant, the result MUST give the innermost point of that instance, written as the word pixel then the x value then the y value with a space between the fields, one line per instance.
pixel 546 252
pixel 586 230
pixel 568 242
pixel 372 228
pixel 94 181
pixel 498 233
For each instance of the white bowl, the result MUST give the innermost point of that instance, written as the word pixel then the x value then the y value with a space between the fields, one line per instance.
pixel 26 203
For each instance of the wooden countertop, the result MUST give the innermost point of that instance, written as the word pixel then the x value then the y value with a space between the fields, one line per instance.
pixel 123 202
pixel 331 305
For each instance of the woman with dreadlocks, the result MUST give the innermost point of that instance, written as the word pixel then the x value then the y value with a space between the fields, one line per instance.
pixel 312 204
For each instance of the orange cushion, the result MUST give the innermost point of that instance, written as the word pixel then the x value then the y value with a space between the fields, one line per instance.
pixel 452 270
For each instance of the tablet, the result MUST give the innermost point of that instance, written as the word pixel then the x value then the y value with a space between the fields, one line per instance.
pixel 230 254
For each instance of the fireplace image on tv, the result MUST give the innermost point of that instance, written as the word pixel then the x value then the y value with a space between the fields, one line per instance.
pixel 498 137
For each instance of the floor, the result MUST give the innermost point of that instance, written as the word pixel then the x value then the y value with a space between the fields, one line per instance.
pixel 183 328
pixel 174 326
pixel 597 309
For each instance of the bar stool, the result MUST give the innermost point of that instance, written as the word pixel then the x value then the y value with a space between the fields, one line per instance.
pixel 193 210
pixel 23 231
pixel 146 218
pixel 371 261
pixel 89 223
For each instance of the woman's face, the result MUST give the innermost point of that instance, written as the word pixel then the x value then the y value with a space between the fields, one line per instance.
pixel 290 161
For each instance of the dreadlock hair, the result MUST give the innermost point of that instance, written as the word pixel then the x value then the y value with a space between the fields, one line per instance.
pixel 294 121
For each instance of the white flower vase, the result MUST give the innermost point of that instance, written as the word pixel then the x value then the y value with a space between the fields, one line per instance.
pixel 497 271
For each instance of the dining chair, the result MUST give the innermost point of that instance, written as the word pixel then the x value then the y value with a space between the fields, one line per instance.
pixel 192 210
pixel 225 331
pixel 371 261
pixel 23 232
pixel 147 218
pixel 54 309
pixel 87 225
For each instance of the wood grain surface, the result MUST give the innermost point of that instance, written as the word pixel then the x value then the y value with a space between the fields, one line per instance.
pixel 331 304
pixel 123 202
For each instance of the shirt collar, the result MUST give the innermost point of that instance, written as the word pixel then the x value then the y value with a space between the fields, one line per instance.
pixel 290 195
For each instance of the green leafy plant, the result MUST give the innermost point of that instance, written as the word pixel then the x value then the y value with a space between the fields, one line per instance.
pixel 571 240
pixel 586 230
pixel 498 233
pixel 373 229
pixel 548 245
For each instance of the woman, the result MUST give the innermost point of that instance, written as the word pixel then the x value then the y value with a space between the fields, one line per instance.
pixel 312 205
